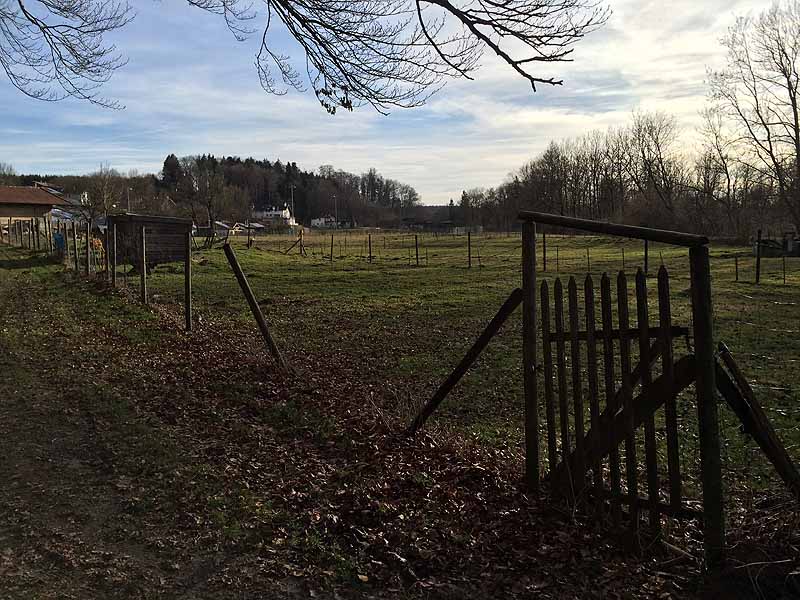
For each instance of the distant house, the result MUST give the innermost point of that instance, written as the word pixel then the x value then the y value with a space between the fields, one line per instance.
pixel 19 202
pixel 326 222
pixel 274 217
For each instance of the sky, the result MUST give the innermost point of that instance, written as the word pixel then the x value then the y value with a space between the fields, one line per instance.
pixel 190 88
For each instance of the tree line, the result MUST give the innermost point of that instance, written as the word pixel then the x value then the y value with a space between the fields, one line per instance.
pixel 208 189
pixel 742 175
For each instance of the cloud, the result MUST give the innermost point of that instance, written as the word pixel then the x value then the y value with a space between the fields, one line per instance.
pixel 190 88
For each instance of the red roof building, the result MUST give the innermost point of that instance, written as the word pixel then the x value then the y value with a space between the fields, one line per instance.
pixel 18 202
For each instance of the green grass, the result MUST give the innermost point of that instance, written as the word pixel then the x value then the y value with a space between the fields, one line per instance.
pixel 408 326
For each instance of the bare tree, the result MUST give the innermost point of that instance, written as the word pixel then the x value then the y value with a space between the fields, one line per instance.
pixel 383 53
pixel 104 190
pixel 759 91
pixel 8 176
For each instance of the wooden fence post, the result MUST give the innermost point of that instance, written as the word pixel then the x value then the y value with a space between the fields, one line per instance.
pixel 187 275
pixel 75 246
pixel 416 247
pixel 143 264
pixel 113 251
pixel 254 307
pixel 758 257
pixel 469 249
pixel 529 355
pixel 369 238
pixel 544 251
pixel 646 255
pixel 708 419
pixel 87 268
pixel 331 247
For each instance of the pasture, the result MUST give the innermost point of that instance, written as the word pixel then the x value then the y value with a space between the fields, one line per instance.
pixel 207 474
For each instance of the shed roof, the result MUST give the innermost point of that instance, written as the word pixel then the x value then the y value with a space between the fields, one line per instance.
pixel 135 218
pixel 16 194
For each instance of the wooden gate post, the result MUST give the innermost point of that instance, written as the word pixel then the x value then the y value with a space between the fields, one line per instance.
pixel 187 274
pixel 143 265
pixel 529 355
pixel 708 419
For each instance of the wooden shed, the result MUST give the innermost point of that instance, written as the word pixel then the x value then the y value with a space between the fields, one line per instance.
pixel 19 202
pixel 145 241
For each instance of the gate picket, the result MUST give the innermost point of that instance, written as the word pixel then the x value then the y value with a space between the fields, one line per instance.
pixel 550 412
pixel 610 392
pixel 579 477
pixel 591 368
pixel 562 379
pixel 670 409
pixel 631 467
pixel 651 455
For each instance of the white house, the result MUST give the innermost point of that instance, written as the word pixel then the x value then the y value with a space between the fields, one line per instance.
pixel 276 216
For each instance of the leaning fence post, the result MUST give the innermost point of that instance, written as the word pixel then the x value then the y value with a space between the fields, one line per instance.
pixel 708 419
pixel 529 355
pixel 143 264
pixel 254 307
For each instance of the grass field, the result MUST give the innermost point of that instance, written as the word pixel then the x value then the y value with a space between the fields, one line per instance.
pixel 408 326
pixel 180 465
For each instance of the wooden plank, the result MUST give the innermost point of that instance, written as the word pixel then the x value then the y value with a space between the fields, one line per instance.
pixel 631 334
pixel 550 410
pixel 755 421
pixel 529 356
pixel 255 308
pixel 506 310
pixel 563 406
pixel 610 392
pixel 708 418
pixel 591 369
pixel 579 476
pixel 644 233
pixel 670 409
pixel 650 447
pixel 631 466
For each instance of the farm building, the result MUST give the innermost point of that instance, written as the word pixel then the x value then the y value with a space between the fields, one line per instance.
pixel 18 202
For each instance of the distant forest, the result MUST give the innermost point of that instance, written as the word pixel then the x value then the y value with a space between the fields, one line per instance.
pixel 231 188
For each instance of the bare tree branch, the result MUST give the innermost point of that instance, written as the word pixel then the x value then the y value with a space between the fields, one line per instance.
pixel 382 53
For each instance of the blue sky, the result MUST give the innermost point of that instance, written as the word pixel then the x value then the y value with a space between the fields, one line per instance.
pixel 190 88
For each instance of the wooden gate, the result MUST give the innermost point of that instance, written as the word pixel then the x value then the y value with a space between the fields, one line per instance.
pixel 620 377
